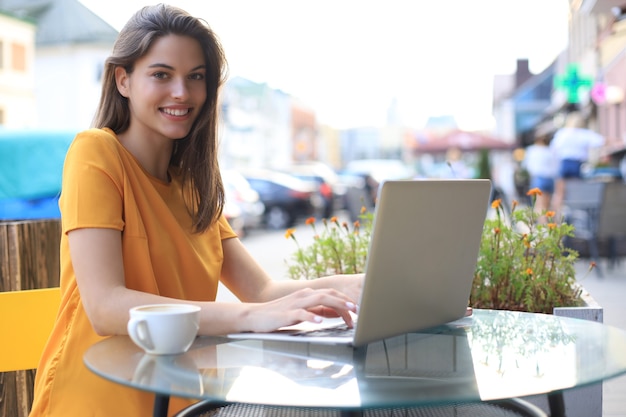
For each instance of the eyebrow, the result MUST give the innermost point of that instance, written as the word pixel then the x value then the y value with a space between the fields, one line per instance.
pixel 159 65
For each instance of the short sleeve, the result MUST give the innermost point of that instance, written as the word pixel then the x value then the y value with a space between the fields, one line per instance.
pixel 226 231
pixel 92 188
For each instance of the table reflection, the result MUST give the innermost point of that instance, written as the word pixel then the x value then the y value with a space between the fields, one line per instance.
pixel 168 372
pixel 422 367
pixel 492 355
pixel 508 350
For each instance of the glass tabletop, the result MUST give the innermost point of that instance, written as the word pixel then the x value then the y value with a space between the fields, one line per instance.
pixel 488 356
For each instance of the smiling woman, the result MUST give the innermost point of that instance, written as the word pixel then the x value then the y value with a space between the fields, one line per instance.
pixel 141 202
pixel 145 222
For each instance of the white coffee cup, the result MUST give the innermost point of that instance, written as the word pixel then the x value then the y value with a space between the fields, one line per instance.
pixel 164 329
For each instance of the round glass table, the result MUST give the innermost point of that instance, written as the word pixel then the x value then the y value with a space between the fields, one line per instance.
pixel 490 355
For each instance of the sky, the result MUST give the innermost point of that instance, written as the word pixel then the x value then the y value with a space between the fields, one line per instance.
pixel 349 60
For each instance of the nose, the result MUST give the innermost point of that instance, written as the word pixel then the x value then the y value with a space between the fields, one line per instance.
pixel 180 89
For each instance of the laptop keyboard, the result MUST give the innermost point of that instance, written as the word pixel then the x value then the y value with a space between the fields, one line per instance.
pixel 340 330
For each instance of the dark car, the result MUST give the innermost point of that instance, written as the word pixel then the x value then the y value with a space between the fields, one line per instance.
pixel 239 192
pixel 286 198
pixel 327 182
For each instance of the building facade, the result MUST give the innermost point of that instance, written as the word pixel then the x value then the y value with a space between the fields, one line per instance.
pixel 17 71
pixel 70 46
pixel 605 40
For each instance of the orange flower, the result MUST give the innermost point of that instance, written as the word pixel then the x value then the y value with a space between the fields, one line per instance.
pixel 363 209
pixel 496 203
pixel 333 219
pixel 310 220
pixel 550 213
pixel 289 233
pixel 514 204
pixel 529 271
pixel 496 230
pixel 534 192
pixel 551 225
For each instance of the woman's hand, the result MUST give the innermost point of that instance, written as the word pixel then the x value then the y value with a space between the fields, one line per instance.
pixel 350 285
pixel 307 304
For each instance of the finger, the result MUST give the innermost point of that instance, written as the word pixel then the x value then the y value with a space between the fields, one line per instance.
pixel 327 312
pixel 347 317
pixel 324 311
pixel 334 300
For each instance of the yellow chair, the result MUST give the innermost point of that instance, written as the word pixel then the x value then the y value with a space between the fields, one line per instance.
pixel 26 320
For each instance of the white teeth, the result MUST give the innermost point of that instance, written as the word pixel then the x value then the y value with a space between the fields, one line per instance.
pixel 175 112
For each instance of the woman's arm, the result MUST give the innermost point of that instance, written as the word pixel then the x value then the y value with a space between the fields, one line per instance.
pixel 250 283
pixel 96 255
pixel 97 260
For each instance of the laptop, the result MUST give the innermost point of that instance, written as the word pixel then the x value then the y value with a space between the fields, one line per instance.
pixel 420 264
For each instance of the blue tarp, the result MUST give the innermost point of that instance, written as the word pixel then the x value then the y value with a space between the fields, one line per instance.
pixel 39 208
pixel 31 166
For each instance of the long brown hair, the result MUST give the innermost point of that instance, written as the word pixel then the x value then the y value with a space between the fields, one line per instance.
pixel 194 156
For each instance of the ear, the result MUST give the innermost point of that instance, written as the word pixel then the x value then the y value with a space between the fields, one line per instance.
pixel 122 79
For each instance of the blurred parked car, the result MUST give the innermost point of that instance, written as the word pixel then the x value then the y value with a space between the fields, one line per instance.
pixel 362 178
pixel 356 195
pixel 233 215
pixel 239 192
pixel 327 182
pixel 286 197
pixel 380 169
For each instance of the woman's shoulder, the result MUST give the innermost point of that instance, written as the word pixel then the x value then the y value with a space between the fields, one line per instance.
pixel 96 140
pixel 95 146
pixel 104 135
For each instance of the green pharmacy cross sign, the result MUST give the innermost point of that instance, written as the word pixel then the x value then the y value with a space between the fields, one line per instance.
pixel 572 81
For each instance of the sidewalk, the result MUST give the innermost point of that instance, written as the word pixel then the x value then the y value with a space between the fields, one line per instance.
pixel 610 293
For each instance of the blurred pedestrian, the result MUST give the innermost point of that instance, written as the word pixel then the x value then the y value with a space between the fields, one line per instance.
pixel 572 146
pixel 456 162
pixel 521 179
pixel 542 167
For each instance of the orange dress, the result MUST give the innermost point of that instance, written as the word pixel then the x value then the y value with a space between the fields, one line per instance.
pixel 104 186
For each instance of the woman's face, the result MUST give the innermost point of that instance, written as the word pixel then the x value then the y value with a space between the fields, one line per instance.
pixel 166 89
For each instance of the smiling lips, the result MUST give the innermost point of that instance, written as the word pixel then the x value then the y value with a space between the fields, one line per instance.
pixel 176 112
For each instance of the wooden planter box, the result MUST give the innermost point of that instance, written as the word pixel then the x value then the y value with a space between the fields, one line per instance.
pixel 29 259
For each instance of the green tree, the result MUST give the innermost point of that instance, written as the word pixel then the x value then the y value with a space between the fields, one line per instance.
pixel 484 165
